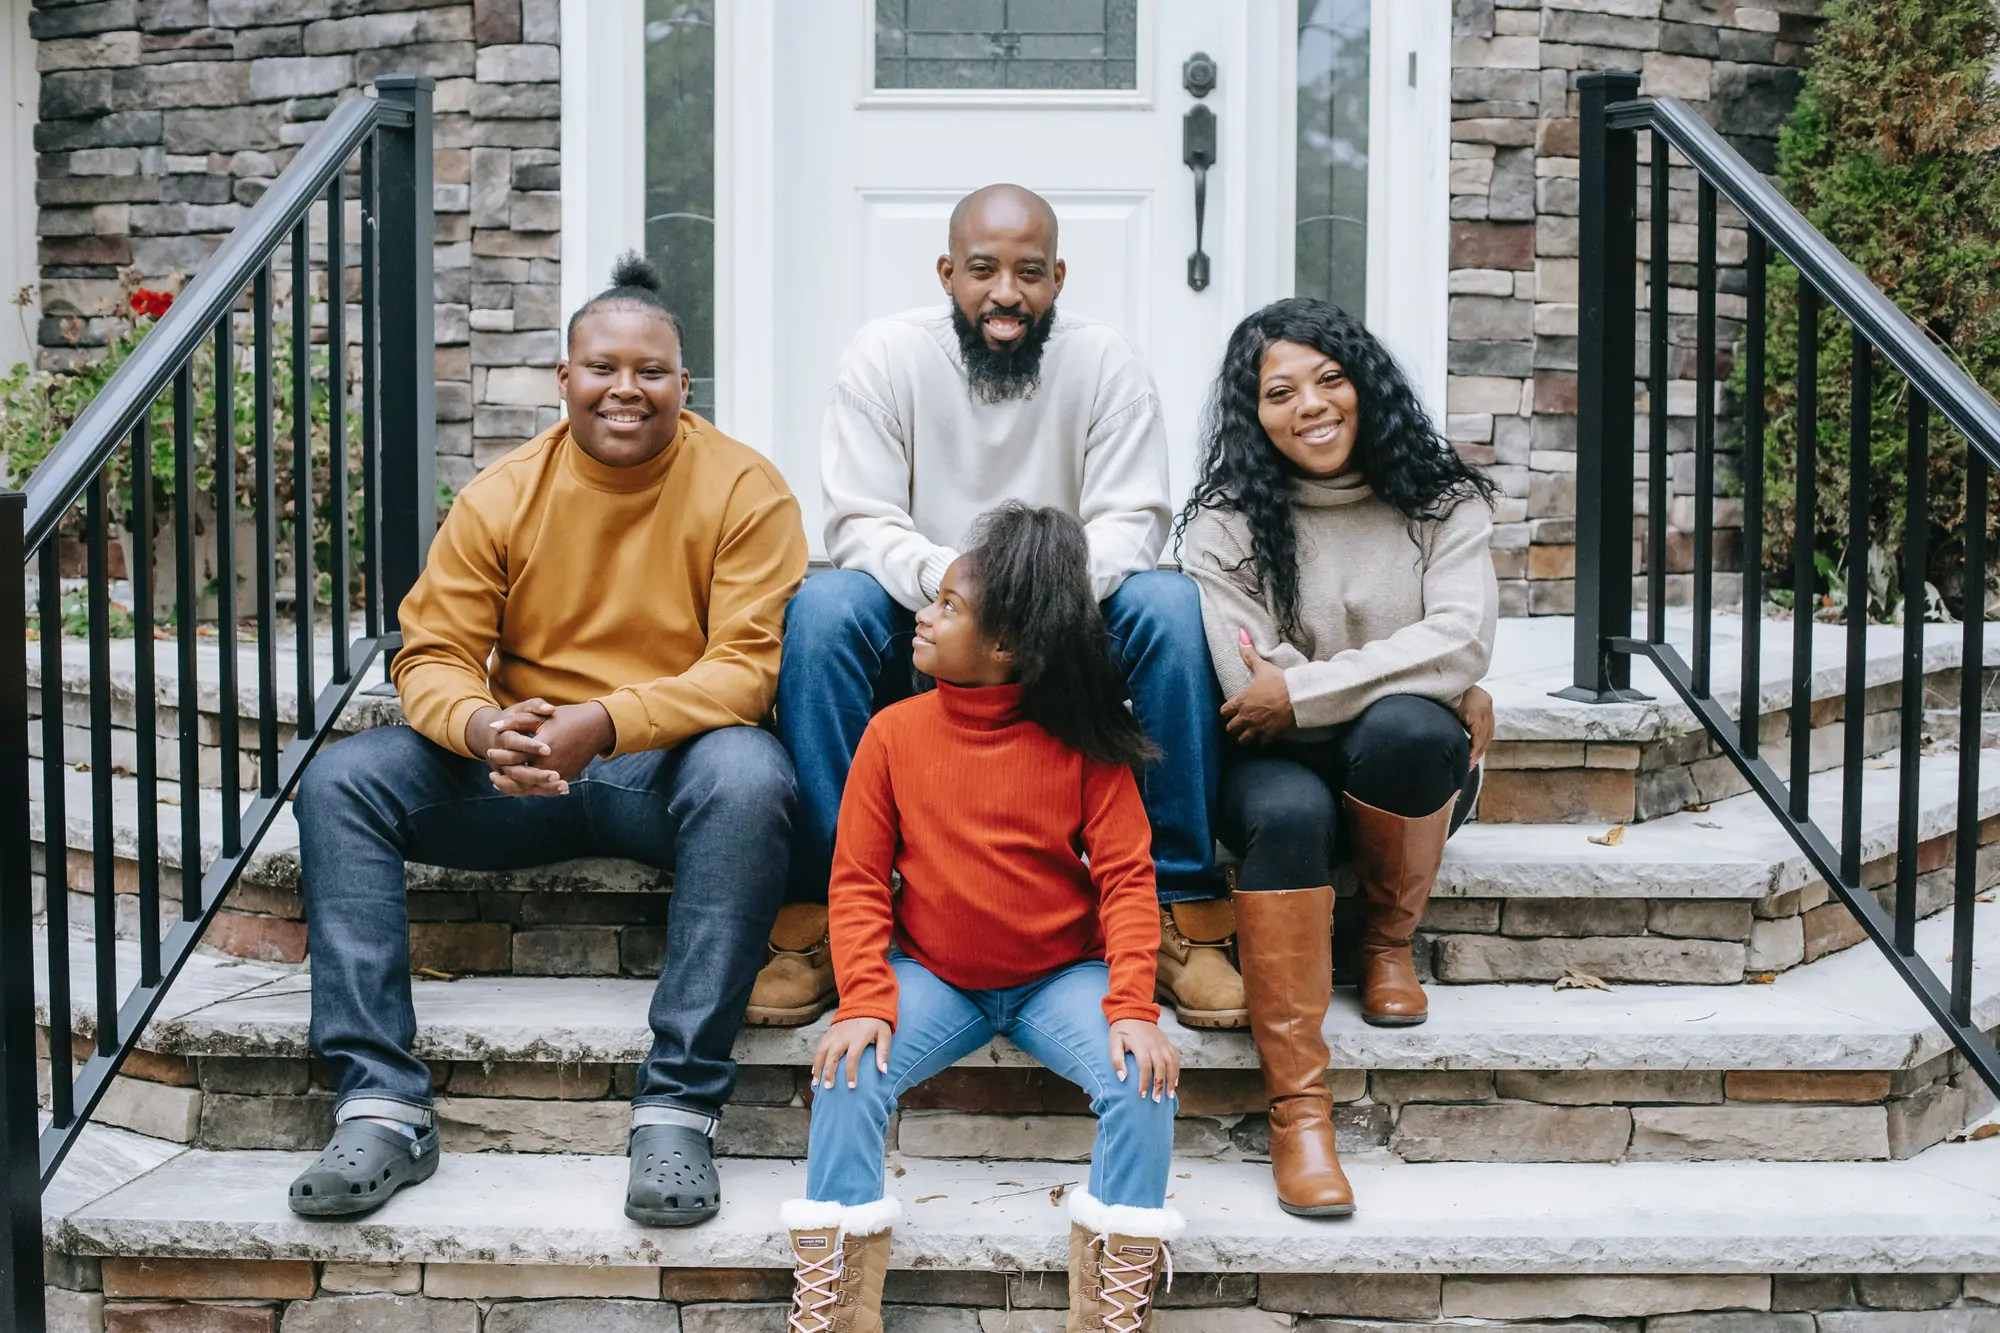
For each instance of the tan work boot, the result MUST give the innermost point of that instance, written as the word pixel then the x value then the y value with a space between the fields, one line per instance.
pixel 796 985
pixel 1117 1256
pixel 840 1257
pixel 1285 936
pixel 1396 859
pixel 1194 973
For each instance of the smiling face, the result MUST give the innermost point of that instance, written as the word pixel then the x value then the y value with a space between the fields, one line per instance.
pixel 1002 271
pixel 623 384
pixel 1309 408
pixel 949 645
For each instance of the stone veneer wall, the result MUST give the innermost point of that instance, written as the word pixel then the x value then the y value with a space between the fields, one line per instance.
pixel 163 121
pixel 1511 397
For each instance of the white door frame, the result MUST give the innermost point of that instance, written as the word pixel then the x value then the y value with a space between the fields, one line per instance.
pixel 603 204
pixel 20 95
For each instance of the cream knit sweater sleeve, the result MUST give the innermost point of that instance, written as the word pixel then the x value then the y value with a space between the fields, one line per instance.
pixel 865 481
pixel 1217 560
pixel 1440 655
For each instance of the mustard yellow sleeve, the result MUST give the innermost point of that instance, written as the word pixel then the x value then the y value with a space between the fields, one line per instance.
pixel 450 622
pixel 759 561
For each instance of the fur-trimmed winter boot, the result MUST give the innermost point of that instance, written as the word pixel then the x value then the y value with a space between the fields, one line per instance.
pixel 1117 1257
pixel 840 1255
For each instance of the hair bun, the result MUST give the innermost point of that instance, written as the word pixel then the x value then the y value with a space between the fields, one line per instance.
pixel 633 269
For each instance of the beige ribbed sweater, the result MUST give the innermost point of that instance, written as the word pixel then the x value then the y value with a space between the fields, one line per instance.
pixel 1382 611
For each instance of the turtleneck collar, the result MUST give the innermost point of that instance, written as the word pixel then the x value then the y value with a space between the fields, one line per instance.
pixel 1348 488
pixel 618 480
pixel 981 707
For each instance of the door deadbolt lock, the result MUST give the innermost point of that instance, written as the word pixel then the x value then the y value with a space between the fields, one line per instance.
pixel 1198 74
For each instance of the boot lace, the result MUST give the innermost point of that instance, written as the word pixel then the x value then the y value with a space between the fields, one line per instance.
pixel 1127 1284
pixel 816 1290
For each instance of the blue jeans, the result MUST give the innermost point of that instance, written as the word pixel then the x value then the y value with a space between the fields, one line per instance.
pixel 1059 1020
pixel 717 811
pixel 847 653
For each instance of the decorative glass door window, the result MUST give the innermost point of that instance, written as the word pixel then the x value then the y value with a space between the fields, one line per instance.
pixel 680 176
pixel 1332 212
pixel 1036 45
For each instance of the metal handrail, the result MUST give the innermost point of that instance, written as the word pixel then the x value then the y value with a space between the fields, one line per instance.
pixel 1969 408
pixel 1611 117
pixel 59 481
pixel 396 493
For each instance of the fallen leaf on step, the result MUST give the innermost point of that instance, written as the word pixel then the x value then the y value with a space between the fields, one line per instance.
pixel 432 973
pixel 1974 1135
pixel 1183 1175
pixel 1706 823
pixel 931 1198
pixel 1984 898
pixel 900 1170
pixel 170 800
pixel 81 768
pixel 1007 1182
pixel 1611 837
pixel 1698 807
pixel 1056 1194
pixel 1571 979
pixel 1761 978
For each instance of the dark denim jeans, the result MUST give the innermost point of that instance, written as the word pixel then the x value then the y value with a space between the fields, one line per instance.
pixel 847 653
pixel 716 811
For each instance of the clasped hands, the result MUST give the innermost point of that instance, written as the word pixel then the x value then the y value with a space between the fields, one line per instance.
pixel 1158 1062
pixel 536 748
pixel 1261 711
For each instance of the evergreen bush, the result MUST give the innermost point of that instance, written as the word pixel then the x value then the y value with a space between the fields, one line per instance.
pixel 1893 152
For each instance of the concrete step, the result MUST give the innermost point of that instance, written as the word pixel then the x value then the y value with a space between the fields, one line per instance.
pixel 1835 1060
pixel 1709 896
pixel 1938 1213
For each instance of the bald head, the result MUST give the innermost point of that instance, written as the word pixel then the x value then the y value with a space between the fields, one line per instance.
pixel 1002 210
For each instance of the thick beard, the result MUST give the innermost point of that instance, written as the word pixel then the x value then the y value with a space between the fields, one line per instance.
pixel 998 375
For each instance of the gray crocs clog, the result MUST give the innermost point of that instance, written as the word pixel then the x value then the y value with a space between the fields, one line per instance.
pixel 673 1181
pixel 363 1164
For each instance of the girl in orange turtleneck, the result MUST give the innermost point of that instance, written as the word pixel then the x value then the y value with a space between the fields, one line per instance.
pixel 1005 801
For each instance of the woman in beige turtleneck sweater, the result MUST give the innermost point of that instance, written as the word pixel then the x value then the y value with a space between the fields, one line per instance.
pixel 1341 550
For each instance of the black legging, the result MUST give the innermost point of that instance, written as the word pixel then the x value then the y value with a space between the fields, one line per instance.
pixel 1281 807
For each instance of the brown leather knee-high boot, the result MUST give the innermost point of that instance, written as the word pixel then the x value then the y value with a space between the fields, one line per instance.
pixel 1283 937
pixel 1396 859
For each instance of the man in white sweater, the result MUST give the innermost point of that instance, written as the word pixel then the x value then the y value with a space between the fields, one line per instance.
pixel 935 416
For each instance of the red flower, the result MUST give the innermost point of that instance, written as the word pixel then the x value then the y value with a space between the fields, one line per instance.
pixel 151 303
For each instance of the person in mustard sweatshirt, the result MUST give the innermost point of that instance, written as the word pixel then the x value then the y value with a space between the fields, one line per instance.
pixel 586 662
pixel 1006 802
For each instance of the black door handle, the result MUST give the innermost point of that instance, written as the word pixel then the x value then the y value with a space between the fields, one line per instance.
pixel 1198 151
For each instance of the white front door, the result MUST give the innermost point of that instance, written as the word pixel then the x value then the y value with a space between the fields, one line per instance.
pixel 845 130
pixel 891 110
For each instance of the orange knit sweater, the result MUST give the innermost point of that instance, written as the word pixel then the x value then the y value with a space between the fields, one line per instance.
pixel 988 819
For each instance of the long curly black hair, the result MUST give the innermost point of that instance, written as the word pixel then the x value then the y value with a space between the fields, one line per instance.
pixel 1030 571
pixel 1398 451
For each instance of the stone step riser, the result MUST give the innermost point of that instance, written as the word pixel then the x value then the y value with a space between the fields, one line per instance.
pixel 561 932
pixel 451 1298
pixel 1545 782
pixel 251 1103
pixel 1527 781
pixel 145 1292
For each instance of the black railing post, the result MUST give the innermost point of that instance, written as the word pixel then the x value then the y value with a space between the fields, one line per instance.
pixel 1607 297
pixel 20 1154
pixel 408 381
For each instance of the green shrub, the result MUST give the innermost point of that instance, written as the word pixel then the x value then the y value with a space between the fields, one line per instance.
pixel 1893 152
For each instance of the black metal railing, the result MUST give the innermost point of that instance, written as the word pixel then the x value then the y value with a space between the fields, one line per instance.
pixel 1613 117
pixel 392 488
